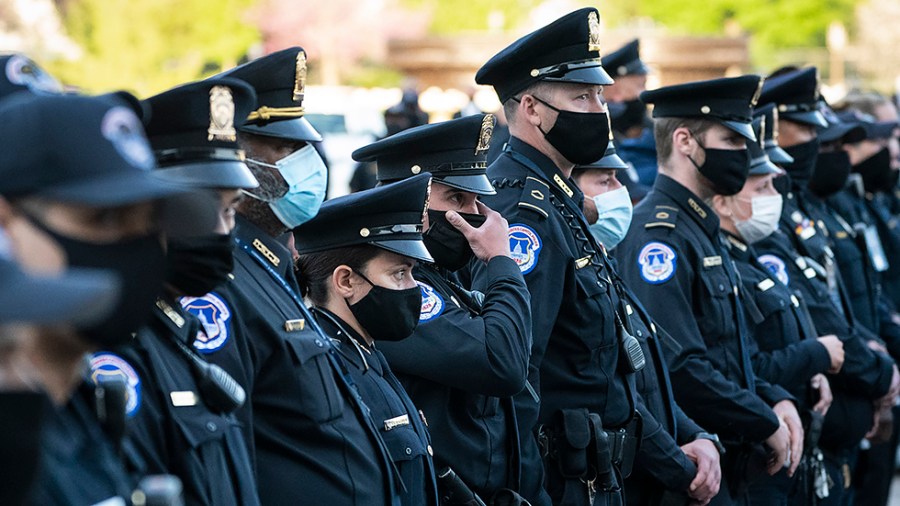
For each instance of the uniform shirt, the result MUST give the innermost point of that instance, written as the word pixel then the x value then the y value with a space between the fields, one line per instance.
pixel 784 338
pixel 574 360
pixel 866 375
pixel 673 259
pixel 462 365
pixel 22 415
pixel 170 426
pixel 880 206
pixel 401 425
pixel 314 439
pixel 79 462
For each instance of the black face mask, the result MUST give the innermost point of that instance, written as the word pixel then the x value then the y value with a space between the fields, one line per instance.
pixel 631 114
pixel 448 246
pixel 140 264
pixel 581 137
pixel 388 315
pixel 726 169
pixel 804 162
pixel 830 176
pixel 197 265
pixel 876 172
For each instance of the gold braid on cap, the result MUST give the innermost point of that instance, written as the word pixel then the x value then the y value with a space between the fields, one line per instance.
pixel 266 113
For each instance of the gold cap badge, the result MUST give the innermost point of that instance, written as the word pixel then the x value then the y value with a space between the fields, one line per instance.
pixel 593 32
pixel 221 114
pixel 484 137
pixel 300 77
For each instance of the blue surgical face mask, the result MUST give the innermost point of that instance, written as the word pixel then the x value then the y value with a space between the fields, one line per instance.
pixel 305 173
pixel 614 210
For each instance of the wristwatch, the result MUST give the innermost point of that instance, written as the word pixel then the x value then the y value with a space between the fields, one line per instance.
pixel 711 437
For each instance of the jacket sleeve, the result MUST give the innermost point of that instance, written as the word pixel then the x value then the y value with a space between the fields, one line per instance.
pixel 660 455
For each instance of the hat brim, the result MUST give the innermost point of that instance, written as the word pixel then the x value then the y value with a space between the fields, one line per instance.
pixel 586 75
pixel 298 129
pixel 80 297
pixel 848 133
pixel 744 129
pixel 478 184
pixel 608 162
pixel 814 118
pixel 766 167
pixel 413 248
pixel 231 174
pixel 881 130
pixel 123 188
pixel 778 155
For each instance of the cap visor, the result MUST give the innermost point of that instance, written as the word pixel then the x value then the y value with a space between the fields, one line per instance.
pixel 778 155
pixel 298 129
pixel 127 187
pixel 742 128
pixel 79 297
pixel 765 167
pixel 209 174
pixel 479 184
pixel 608 162
pixel 883 130
pixel 845 132
pixel 813 118
pixel 587 75
pixel 412 248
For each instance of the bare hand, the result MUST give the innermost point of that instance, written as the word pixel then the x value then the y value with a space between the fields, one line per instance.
pixel 705 456
pixel 835 351
pixel 787 413
pixel 489 240
pixel 820 382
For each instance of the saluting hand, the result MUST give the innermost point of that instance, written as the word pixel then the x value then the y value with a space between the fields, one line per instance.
pixel 489 240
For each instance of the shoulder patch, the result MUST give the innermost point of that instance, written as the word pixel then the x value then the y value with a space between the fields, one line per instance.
pixel 215 317
pixel 536 197
pixel 776 267
pixel 662 216
pixel 108 366
pixel 432 303
pixel 524 246
pixel 657 262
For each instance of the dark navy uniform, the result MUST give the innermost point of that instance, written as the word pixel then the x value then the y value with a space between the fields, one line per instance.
pixel 314 437
pixel 388 217
pixel 488 336
pixel 72 434
pixel 579 387
pixel 172 430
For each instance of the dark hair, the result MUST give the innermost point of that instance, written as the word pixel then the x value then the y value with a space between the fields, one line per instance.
pixel 663 128
pixel 314 270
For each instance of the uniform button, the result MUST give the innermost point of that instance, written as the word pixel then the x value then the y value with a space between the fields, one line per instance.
pixel 640 334
pixel 781 303
pixel 721 287
pixel 319 343
pixel 430 451
pixel 409 451
pixel 211 426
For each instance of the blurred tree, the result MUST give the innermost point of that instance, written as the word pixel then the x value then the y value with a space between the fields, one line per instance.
pixel 149 46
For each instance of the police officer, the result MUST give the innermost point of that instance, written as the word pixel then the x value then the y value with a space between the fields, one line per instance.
pixel 785 348
pixel 77 167
pixel 580 397
pixel 633 129
pixel 487 334
pixel 356 263
pixel 180 414
pixel 674 254
pixel 311 435
pixel 664 473
pixel 800 256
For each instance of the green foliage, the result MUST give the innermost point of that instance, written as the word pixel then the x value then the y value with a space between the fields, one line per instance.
pixel 149 46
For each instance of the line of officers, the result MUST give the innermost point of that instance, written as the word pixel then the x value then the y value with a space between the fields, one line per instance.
pixel 185 321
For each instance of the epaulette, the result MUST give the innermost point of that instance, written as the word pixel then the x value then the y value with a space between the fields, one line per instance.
pixel 536 197
pixel 663 216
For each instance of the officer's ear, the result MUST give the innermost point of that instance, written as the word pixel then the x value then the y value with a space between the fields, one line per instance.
pixel 528 111
pixel 722 206
pixel 681 140
pixel 342 282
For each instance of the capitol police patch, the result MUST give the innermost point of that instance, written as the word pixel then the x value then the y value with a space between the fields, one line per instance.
pixel 109 367
pixel 432 303
pixel 776 267
pixel 215 317
pixel 524 246
pixel 657 262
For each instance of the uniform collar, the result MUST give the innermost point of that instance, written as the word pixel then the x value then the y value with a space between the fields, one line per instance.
pixel 692 204
pixel 353 346
pixel 273 249
pixel 548 170
pixel 738 249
